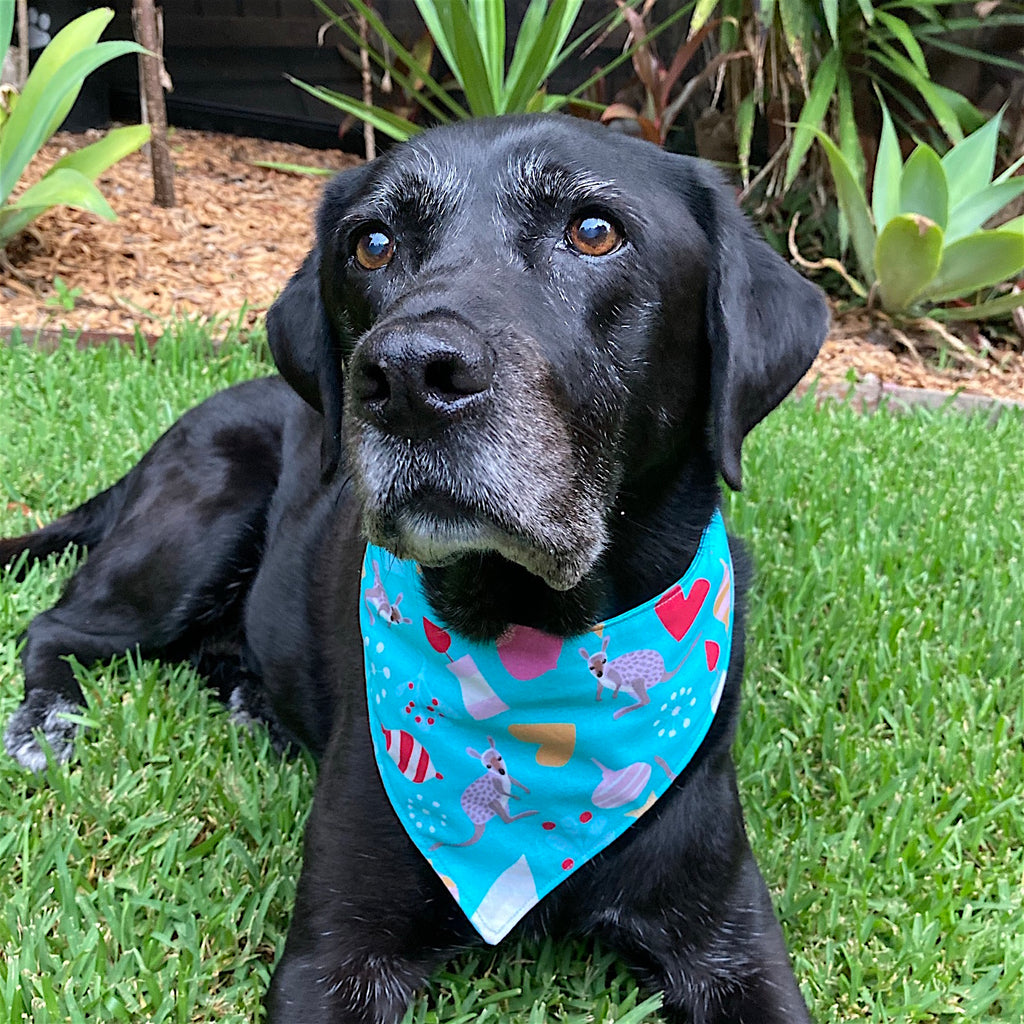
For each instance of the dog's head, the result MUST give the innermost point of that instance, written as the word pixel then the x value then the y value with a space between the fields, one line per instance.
pixel 508 323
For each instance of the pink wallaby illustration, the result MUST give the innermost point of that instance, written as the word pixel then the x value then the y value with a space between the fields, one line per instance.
pixel 635 671
pixel 376 598
pixel 488 795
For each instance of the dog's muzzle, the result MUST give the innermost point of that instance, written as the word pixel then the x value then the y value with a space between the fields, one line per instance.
pixel 458 446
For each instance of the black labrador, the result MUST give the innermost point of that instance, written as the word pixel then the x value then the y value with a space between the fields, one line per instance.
pixel 520 354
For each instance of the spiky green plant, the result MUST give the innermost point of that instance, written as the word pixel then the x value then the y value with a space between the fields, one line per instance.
pixel 470 36
pixel 920 242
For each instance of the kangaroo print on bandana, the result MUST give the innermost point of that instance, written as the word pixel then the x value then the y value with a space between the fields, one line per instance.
pixel 511 764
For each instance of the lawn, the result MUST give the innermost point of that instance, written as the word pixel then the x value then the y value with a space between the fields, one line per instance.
pixel 881 750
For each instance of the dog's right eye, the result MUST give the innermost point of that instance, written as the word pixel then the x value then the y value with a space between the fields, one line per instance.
pixel 593 235
pixel 375 249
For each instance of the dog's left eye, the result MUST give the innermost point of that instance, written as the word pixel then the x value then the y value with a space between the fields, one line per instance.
pixel 593 235
pixel 375 249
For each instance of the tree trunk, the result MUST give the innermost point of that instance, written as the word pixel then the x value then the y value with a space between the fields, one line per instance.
pixel 22 43
pixel 369 138
pixel 152 95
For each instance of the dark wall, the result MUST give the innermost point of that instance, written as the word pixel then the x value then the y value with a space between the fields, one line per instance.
pixel 227 60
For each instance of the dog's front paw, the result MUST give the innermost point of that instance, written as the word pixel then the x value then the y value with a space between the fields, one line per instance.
pixel 361 989
pixel 249 708
pixel 41 711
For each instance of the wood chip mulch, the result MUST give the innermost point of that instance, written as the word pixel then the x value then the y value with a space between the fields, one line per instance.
pixel 235 238
pixel 877 363
pixel 240 231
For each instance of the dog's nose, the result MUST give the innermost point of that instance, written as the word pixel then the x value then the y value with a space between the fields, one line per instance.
pixel 413 379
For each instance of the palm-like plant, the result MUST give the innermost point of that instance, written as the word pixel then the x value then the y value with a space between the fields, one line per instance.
pixel 31 117
pixel 470 35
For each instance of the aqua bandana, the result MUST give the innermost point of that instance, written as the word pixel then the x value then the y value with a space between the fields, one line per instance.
pixel 512 764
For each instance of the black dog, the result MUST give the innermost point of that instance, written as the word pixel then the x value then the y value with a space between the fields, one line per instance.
pixel 519 355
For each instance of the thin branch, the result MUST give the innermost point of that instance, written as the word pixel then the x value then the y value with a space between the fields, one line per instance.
pixel 826 264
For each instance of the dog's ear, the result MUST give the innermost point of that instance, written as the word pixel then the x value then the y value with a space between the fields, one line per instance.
pixel 297 331
pixel 304 340
pixel 765 322
pixel 306 352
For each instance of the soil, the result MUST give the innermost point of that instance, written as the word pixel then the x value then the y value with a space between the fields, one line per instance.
pixel 240 231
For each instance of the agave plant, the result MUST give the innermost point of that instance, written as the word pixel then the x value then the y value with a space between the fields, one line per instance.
pixel 817 63
pixel 31 117
pixel 920 242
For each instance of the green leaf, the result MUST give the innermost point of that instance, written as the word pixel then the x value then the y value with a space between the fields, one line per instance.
pixel 800 32
pixel 76 37
pixel 543 56
pixel 65 187
pixel 420 73
pixel 942 26
pixel 488 17
pixel 529 31
pixel 968 116
pixel 94 159
pixel 943 112
pixel 455 34
pixel 29 125
pixel 885 193
pixel 440 33
pixel 977 261
pixel 813 113
pixel 470 67
pixel 702 11
pixel 276 165
pixel 732 12
pixel 745 133
pixel 907 256
pixel 642 1012
pixel 849 136
pixel 546 103
pixel 62 187
pixel 6 26
pixel 901 30
pixel 969 164
pixel 831 9
pixel 944 42
pixel 853 205
pixel 994 307
pixel 972 212
pixel 1011 170
pixel 923 186
pixel 867 9
pixel 392 125
pixel 1017 224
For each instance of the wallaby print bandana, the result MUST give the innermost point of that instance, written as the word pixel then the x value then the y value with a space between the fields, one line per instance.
pixel 512 764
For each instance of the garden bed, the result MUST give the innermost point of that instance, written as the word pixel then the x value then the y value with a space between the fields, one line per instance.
pixel 240 231
pixel 236 236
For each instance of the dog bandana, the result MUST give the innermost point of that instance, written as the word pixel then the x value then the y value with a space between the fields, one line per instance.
pixel 512 764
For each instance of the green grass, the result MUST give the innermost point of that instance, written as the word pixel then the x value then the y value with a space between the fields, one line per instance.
pixel 881 750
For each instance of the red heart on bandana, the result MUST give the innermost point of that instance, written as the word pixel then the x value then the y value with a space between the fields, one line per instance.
pixel 677 611
pixel 711 651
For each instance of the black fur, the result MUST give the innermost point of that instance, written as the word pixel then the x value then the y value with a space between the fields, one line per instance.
pixel 543 430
